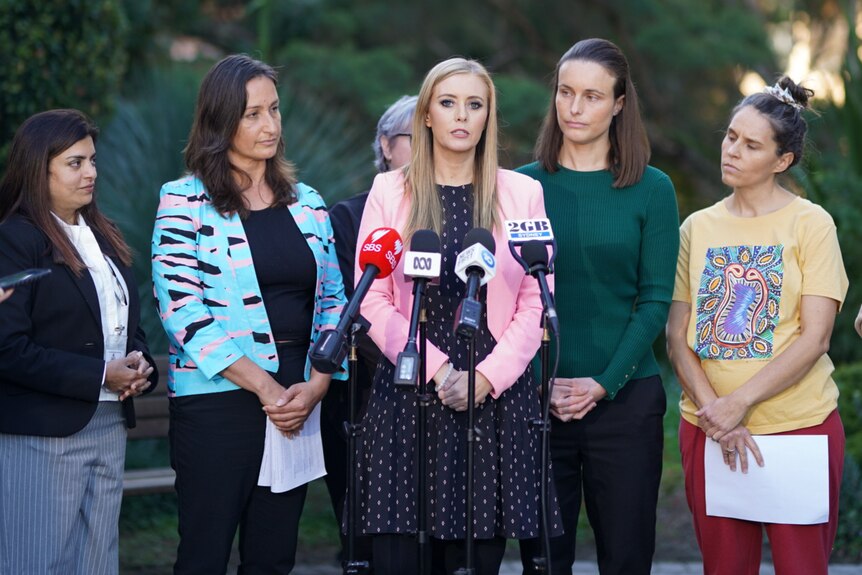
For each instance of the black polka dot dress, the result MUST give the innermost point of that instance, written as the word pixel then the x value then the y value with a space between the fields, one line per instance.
pixel 507 452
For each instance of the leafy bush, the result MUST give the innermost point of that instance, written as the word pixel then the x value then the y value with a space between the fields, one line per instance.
pixel 834 183
pixel 58 54
pixel 848 542
pixel 849 377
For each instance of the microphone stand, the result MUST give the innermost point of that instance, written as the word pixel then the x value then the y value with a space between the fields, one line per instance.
pixel 542 560
pixel 410 371
pixel 472 435
pixel 350 565
pixel 423 400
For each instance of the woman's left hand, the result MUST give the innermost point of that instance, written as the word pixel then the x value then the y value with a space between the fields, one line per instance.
pixel 454 394
pixel 141 383
pixel 720 417
pixel 295 405
pixel 737 444
pixel 582 394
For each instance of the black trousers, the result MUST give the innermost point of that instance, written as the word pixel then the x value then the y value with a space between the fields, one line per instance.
pixel 613 460
pixel 216 445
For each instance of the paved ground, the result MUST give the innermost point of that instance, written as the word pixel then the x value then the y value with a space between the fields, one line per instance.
pixel 585 568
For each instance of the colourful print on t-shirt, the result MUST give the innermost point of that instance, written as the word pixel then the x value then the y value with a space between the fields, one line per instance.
pixel 737 302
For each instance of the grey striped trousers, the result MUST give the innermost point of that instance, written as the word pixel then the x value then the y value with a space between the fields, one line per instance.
pixel 60 499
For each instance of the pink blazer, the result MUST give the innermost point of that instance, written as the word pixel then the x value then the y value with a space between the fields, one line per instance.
pixel 514 303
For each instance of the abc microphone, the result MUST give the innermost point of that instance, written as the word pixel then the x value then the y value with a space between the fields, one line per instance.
pixel 378 257
pixel 535 254
pixel 475 266
pixel 422 264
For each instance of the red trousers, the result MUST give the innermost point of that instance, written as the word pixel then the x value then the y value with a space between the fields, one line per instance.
pixel 733 546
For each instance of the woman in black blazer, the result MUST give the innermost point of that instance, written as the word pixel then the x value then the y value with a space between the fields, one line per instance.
pixel 72 356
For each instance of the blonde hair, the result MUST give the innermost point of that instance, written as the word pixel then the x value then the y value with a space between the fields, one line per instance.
pixel 426 212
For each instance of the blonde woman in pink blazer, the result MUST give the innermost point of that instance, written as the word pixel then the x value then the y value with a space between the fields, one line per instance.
pixel 453 184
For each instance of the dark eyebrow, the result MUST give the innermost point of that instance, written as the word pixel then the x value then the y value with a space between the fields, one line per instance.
pixel 730 130
pixel 274 102
pixel 587 91
pixel 473 97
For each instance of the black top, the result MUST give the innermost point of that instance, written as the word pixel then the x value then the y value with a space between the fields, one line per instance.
pixel 286 271
pixel 346 216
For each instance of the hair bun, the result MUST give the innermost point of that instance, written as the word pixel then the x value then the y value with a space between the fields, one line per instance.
pixel 800 93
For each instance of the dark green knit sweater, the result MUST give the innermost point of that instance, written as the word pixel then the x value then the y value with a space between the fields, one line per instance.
pixel 614 272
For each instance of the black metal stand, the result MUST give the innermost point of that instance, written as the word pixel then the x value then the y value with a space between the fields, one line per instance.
pixel 350 565
pixel 423 400
pixel 410 373
pixel 472 434
pixel 541 562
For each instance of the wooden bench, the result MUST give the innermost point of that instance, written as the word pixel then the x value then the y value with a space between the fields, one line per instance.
pixel 152 415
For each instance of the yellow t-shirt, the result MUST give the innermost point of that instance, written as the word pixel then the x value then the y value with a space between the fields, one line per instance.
pixel 744 279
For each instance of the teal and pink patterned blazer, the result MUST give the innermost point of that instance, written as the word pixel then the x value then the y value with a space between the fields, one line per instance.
pixel 209 300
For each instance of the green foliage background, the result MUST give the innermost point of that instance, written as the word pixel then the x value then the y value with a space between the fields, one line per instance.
pixel 58 54
pixel 342 62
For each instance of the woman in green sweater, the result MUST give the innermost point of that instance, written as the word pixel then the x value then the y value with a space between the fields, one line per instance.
pixel 617 228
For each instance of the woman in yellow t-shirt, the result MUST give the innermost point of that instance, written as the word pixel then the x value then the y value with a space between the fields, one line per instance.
pixel 759 281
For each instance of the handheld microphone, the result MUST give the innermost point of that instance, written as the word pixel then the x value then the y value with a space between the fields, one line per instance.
pixel 476 266
pixel 378 257
pixel 422 264
pixel 535 254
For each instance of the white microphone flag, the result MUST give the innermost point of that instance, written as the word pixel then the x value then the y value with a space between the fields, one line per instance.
pixel 477 256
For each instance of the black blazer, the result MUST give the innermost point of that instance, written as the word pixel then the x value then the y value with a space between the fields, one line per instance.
pixel 51 341
pixel 346 216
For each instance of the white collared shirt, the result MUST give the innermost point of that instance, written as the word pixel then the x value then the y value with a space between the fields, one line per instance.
pixel 112 292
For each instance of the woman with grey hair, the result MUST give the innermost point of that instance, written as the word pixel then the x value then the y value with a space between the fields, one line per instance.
pixel 391 152
pixel 392 143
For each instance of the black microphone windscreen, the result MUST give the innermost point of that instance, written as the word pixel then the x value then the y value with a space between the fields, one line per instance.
pixel 425 241
pixel 534 252
pixel 480 236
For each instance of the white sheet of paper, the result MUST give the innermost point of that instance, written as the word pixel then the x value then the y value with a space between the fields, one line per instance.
pixel 791 488
pixel 289 463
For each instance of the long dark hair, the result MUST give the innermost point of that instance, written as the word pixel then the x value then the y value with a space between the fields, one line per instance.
pixel 784 112
pixel 630 149
pixel 221 103
pixel 25 188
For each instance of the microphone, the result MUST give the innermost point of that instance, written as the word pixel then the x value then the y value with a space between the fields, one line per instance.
pixel 535 254
pixel 533 235
pixel 422 264
pixel 422 261
pixel 378 257
pixel 475 266
pixel 521 231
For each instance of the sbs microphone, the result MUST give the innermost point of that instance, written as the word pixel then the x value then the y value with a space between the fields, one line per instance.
pixel 422 264
pixel 378 257
pixel 476 266
pixel 535 254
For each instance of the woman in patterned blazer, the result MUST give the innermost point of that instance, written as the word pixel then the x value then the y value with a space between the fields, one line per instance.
pixel 246 277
